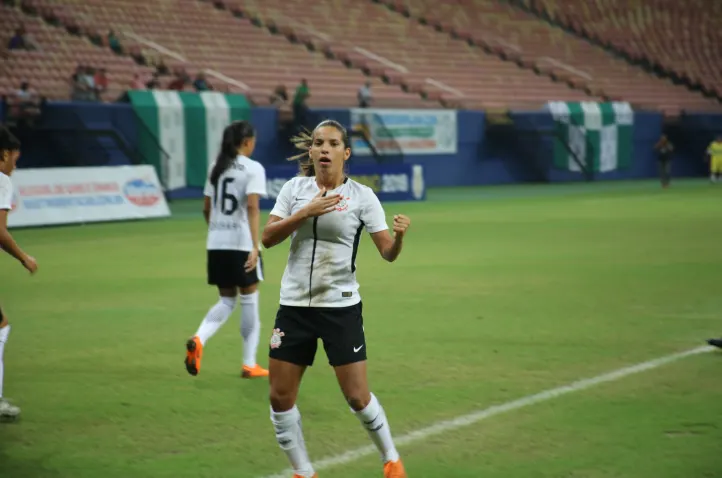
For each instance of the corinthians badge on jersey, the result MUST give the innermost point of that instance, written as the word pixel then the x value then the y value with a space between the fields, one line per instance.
pixel 276 338
pixel 342 204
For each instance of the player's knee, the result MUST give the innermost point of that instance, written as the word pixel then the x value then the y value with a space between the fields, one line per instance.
pixel 358 401
pixel 281 399
pixel 248 290
pixel 229 302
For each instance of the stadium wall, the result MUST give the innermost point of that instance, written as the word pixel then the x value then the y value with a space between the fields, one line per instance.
pixel 486 154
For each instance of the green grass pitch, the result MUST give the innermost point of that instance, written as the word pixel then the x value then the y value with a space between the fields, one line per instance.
pixel 499 293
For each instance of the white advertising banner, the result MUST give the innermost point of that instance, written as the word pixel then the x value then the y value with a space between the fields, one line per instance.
pixel 405 131
pixel 50 196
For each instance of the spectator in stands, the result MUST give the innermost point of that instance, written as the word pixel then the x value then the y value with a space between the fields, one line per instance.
pixel 300 105
pixel 17 42
pixel 24 105
pixel 200 83
pixel 364 95
pixel 83 85
pixel 22 40
pixel 137 83
pixel 154 82
pixel 114 42
pixel 101 82
pixel 664 150
pixel 179 82
pixel 279 96
pixel 161 67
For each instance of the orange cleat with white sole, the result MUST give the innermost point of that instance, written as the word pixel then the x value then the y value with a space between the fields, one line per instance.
pixel 394 469
pixel 254 372
pixel 194 353
pixel 299 476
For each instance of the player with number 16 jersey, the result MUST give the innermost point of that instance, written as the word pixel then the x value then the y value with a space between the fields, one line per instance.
pixel 231 209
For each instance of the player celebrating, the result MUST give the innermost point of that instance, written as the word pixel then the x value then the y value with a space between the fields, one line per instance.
pixel 232 211
pixel 714 150
pixel 325 212
pixel 9 154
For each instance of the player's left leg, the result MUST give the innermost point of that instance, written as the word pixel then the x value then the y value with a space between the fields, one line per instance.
pixel 251 332
pixel 346 351
pixel 215 318
pixel 7 411
pixel 251 322
pixel 716 169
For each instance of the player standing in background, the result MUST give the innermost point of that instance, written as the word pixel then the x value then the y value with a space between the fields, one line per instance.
pixel 9 154
pixel 231 209
pixel 714 151
pixel 325 212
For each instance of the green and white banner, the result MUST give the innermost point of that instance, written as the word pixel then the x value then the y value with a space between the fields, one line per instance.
pixel 599 134
pixel 188 127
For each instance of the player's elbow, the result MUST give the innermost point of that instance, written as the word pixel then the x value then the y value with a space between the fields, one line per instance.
pixel 267 237
pixel 267 241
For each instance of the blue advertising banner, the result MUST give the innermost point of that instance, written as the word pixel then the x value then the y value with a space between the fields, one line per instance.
pixel 393 182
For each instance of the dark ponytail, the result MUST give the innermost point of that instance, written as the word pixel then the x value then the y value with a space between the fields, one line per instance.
pixel 233 137
pixel 304 141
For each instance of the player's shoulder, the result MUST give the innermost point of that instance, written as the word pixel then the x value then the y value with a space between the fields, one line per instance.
pixel 5 180
pixel 249 163
pixel 298 183
pixel 361 191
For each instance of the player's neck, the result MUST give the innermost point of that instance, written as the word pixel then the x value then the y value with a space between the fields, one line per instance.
pixel 329 182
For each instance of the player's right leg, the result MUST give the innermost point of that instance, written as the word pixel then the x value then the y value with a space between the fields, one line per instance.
pixel 215 318
pixel 292 349
pixel 7 411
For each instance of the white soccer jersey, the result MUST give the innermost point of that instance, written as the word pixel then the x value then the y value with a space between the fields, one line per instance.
pixel 228 226
pixel 6 192
pixel 321 269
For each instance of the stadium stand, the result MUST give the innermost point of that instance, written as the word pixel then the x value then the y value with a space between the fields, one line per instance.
pixel 369 35
pixel 678 39
pixel 538 45
pixel 240 56
pixel 49 68
pixel 415 53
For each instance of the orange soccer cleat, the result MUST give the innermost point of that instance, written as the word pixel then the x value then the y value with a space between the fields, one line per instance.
pixel 299 476
pixel 254 372
pixel 394 469
pixel 194 353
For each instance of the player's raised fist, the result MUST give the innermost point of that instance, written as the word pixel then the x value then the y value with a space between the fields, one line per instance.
pixel 401 224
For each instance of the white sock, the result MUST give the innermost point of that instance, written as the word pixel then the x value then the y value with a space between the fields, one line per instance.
pixel 215 318
pixel 374 420
pixel 250 328
pixel 289 434
pixel 4 332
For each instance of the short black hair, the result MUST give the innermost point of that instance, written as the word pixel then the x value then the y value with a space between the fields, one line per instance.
pixel 8 141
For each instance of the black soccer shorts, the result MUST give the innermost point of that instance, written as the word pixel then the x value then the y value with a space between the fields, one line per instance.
pixel 226 268
pixel 297 330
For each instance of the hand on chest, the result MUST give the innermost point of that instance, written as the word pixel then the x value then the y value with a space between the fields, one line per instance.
pixel 334 226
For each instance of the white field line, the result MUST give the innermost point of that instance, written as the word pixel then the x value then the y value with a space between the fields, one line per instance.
pixel 475 417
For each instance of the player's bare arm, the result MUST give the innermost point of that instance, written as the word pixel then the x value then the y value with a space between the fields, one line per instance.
pixel 278 229
pixel 8 244
pixel 254 222
pixel 390 247
pixel 207 209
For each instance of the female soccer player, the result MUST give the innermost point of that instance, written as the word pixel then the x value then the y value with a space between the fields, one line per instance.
pixel 231 209
pixel 9 154
pixel 325 212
